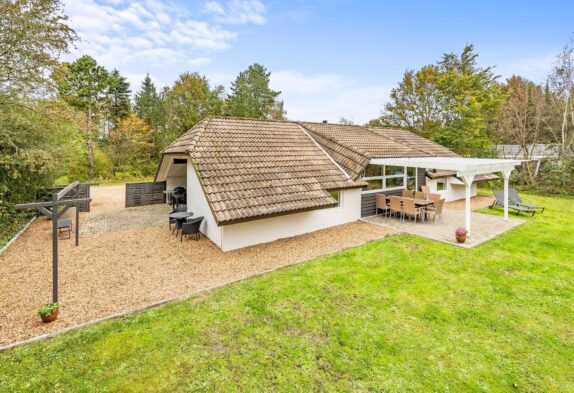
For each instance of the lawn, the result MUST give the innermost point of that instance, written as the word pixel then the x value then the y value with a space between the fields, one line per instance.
pixel 400 314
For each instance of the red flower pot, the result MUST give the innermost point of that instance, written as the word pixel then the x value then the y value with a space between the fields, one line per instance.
pixel 50 318
pixel 460 238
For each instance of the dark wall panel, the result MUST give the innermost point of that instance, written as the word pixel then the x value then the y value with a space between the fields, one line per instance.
pixel 143 194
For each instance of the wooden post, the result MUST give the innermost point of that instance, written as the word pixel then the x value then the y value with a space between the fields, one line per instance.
pixel 77 224
pixel 55 248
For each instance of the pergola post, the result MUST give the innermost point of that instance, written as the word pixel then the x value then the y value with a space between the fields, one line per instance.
pixel 467 179
pixel 506 175
pixel 55 248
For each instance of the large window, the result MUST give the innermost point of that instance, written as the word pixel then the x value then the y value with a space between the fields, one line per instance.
pixel 382 177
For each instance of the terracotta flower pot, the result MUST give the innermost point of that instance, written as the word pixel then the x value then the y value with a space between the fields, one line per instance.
pixel 460 238
pixel 50 318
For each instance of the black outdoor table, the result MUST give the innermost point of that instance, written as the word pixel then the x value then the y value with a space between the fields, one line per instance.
pixel 180 215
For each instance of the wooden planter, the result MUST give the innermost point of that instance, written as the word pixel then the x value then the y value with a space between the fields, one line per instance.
pixel 460 238
pixel 50 318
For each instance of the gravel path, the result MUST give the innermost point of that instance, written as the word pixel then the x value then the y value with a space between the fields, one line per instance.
pixel 122 270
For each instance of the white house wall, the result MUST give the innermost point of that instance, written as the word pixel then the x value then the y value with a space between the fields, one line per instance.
pixel 171 182
pixel 197 204
pixel 454 190
pixel 249 233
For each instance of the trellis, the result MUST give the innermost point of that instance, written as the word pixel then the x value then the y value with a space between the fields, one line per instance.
pixel 52 210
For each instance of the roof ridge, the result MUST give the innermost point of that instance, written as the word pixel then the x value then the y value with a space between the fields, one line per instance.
pixel 395 140
pixel 401 143
pixel 324 152
pixel 352 148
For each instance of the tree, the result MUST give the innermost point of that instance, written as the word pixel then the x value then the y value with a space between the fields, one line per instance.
pixel 415 103
pixel 84 84
pixel 522 118
pixel 33 34
pixel 454 102
pixel 561 82
pixel 130 143
pixel 149 106
pixel 188 102
pixel 118 92
pixel 252 97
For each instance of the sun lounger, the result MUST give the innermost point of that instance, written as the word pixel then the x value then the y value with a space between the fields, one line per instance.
pixel 499 200
pixel 513 195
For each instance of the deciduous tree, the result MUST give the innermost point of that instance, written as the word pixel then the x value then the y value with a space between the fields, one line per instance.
pixel 189 101
pixel 33 34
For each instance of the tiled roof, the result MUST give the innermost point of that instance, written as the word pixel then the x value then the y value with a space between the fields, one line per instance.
pixel 363 140
pixel 256 168
pixel 415 141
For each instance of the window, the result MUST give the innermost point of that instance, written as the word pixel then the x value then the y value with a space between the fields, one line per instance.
pixel 441 184
pixel 336 196
pixel 411 179
pixel 373 171
pixel 381 177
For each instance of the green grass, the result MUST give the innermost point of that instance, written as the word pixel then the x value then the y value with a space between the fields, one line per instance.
pixel 401 314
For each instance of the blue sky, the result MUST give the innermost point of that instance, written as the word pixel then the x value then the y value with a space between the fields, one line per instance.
pixel 330 59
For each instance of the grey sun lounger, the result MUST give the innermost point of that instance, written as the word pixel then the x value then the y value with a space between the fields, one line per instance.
pixel 499 200
pixel 513 195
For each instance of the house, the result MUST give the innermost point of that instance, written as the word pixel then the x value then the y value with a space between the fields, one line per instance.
pixel 256 181
pixel 533 152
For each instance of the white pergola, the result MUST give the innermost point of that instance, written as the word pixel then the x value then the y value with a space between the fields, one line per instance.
pixel 465 168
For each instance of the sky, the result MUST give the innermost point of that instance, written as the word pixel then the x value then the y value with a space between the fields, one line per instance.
pixel 330 59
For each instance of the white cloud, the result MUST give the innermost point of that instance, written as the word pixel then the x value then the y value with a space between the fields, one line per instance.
pixel 534 68
pixel 237 11
pixel 135 36
pixel 213 7
pixel 328 96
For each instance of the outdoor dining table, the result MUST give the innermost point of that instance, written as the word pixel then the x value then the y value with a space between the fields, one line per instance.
pixel 180 215
pixel 418 203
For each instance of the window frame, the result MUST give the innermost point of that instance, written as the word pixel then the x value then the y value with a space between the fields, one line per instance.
pixel 383 178
pixel 339 197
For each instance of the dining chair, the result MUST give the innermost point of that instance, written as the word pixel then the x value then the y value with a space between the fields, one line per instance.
pixel 408 193
pixel 381 204
pixel 409 209
pixel 396 207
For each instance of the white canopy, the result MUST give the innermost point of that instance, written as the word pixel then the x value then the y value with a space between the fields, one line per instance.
pixel 466 169
pixel 468 166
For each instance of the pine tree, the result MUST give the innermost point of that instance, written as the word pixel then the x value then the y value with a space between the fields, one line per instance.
pixel 252 97
pixel 118 96
pixel 149 106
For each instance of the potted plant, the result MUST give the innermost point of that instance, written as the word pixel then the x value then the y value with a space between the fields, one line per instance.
pixel 460 234
pixel 49 312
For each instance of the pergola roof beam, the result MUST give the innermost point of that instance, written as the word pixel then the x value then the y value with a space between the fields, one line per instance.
pixel 67 189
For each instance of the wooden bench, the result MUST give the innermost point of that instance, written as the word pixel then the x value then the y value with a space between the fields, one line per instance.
pixel 65 226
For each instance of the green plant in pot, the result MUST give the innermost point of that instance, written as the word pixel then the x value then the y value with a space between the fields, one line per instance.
pixel 49 312
pixel 461 234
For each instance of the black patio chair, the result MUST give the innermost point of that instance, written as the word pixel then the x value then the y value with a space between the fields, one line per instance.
pixel 499 200
pixel 513 195
pixel 178 209
pixel 191 227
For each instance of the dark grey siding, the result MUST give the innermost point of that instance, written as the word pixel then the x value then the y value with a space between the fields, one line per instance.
pixel 368 204
pixel 142 194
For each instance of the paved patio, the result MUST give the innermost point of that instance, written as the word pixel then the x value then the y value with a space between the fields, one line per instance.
pixel 484 227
